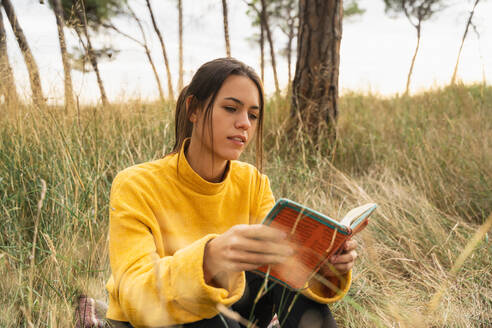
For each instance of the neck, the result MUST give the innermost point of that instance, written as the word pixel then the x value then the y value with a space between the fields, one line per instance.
pixel 208 167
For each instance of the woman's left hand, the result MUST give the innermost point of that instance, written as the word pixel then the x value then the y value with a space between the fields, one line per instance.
pixel 342 263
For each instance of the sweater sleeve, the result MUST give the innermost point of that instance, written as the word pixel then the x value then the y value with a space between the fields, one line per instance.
pixel 152 290
pixel 325 291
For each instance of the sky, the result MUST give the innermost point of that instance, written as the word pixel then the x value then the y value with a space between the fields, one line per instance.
pixel 375 55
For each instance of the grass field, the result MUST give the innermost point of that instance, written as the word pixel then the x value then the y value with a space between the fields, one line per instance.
pixel 425 259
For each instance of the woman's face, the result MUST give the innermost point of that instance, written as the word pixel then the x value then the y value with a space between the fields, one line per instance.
pixel 235 115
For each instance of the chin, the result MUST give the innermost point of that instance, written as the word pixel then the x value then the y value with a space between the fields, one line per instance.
pixel 231 156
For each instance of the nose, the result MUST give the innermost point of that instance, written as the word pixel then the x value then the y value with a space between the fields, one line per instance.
pixel 243 121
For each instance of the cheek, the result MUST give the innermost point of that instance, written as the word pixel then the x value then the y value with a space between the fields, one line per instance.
pixel 254 127
pixel 202 131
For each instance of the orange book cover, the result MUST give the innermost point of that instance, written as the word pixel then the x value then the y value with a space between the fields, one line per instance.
pixel 315 237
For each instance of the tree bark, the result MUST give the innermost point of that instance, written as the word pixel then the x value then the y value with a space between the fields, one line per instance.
pixel 289 54
pixel 226 28
pixel 164 53
pixel 180 23
pixel 32 67
pixel 7 82
pixel 455 71
pixel 407 89
pixel 90 52
pixel 315 85
pixel 264 20
pixel 58 10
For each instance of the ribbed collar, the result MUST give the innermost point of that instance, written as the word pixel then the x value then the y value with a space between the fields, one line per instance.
pixel 192 180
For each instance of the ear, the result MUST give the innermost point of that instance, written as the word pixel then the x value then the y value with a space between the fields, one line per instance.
pixel 192 117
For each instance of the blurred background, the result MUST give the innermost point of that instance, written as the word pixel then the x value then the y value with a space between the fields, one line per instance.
pixel 375 56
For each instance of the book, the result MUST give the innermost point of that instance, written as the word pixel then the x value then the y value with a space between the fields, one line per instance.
pixel 315 237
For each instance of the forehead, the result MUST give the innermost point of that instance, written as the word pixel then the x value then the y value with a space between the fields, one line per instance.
pixel 242 88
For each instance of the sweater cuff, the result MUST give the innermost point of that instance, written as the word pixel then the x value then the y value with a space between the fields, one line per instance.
pixel 329 290
pixel 187 277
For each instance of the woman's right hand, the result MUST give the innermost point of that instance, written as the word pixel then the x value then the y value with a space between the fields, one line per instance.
pixel 243 248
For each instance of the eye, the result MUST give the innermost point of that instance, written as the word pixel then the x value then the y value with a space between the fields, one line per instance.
pixel 253 116
pixel 230 109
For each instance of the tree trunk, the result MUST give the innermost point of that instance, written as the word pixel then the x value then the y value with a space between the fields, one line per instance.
pixel 264 21
pixel 262 37
pixel 226 28
pixel 164 53
pixel 7 82
pixel 180 23
pixel 147 52
pixel 262 50
pixel 32 67
pixel 158 81
pixel 407 89
pixel 289 31
pixel 453 78
pixel 289 55
pixel 58 10
pixel 90 52
pixel 315 85
pixel 484 76
pixel 143 45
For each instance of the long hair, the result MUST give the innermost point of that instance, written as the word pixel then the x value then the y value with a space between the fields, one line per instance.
pixel 202 92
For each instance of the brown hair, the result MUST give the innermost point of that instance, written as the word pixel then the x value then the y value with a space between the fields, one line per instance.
pixel 203 90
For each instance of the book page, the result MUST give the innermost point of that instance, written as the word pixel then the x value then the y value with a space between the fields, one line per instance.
pixel 357 215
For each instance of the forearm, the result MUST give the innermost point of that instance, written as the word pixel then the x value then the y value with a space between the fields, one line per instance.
pixel 172 290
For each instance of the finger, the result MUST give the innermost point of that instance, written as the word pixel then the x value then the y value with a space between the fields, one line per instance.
pixel 262 246
pixel 344 258
pixel 337 269
pixel 256 258
pixel 344 268
pixel 263 232
pixel 239 266
pixel 329 270
pixel 350 245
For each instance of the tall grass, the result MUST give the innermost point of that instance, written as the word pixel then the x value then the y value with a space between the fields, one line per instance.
pixel 426 160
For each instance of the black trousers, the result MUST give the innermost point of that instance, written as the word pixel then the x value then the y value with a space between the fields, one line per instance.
pixel 304 313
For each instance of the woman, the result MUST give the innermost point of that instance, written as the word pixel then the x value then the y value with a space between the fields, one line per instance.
pixel 184 229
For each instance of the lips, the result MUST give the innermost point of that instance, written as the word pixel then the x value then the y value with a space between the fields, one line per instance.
pixel 239 138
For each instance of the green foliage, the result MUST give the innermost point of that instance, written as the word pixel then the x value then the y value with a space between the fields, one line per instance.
pixel 97 11
pixel 78 156
pixel 425 160
pixel 283 12
pixel 351 9
pixel 254 10
pixel 435 139
pixel 97 14
pixel 80 60
pixel 419 10
pixel 284 15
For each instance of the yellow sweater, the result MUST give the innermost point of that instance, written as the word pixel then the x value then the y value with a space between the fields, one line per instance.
pixel 160 220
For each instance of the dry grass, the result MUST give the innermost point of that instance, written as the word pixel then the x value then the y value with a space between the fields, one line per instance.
pixel 426 160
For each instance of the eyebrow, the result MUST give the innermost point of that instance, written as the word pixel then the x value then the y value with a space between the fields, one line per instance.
pixel 240 102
